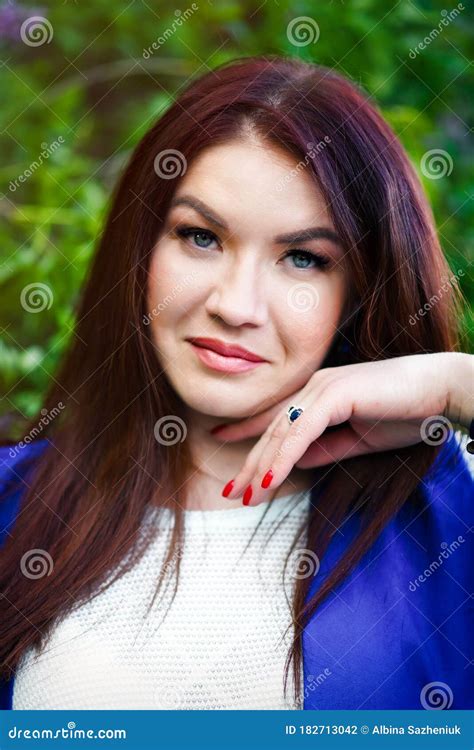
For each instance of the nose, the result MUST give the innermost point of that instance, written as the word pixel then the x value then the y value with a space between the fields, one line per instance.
pixel 238 293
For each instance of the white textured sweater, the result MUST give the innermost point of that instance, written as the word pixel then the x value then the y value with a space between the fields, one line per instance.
pixel 221 644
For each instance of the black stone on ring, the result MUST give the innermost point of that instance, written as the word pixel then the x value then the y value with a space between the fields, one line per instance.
pixel 470 446
pixel 293 412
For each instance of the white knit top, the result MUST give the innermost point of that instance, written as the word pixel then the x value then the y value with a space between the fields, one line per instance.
pixel 221 644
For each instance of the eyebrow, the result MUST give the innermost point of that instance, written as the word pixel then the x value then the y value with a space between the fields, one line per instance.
pixel 302 235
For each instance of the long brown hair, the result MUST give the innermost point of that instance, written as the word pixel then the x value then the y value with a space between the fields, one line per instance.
pixel 84 501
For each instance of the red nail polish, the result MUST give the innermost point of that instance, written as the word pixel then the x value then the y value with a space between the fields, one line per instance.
pixel 228 488
pixel 267 479
pixel 247 495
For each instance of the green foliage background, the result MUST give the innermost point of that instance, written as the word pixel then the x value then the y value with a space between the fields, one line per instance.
pixel 92 86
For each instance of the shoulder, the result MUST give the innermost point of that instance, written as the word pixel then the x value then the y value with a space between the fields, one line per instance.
pixel 408 599
pixel 448 488
pixel 440 514
pixel 15 462
pixel 440 508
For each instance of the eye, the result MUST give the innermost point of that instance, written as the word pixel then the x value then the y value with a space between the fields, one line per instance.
pixel 200 237
pixel 307 257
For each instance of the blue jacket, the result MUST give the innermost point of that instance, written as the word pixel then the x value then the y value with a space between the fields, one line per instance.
pixel 398 633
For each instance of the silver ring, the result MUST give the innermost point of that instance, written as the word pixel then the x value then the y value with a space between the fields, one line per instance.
pixel 293 412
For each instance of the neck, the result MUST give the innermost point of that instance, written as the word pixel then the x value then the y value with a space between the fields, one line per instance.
pixel 216 462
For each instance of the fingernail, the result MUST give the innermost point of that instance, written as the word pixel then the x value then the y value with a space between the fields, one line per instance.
pixel 215 430
pixel 228 488
pixel 267 479
pixel 247 495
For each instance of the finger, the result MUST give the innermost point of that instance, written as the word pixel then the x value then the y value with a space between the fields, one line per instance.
pixel 335 446
pixel 256 425
pixel 246 479
pixel 331 407
pixel 251 462
pixel 347 442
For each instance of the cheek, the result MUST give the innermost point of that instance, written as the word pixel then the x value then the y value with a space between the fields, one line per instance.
pixel 170 284
pixel 161 275
pixel 313 308
pixel 308 321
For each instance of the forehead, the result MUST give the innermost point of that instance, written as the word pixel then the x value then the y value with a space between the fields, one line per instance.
pixel 258 184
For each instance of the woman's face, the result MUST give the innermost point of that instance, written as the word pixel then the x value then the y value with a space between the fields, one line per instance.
pixel 239 278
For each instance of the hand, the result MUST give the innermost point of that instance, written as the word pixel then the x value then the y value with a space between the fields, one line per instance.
pixel 387 404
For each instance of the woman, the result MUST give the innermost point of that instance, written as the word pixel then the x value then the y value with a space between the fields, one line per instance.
pixel 265 254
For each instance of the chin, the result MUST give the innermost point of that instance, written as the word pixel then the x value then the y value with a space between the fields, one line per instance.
pixel 220 407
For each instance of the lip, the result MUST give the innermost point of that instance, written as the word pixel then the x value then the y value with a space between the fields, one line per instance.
pixel 222 363
pixel 218 362
pixel 226 350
